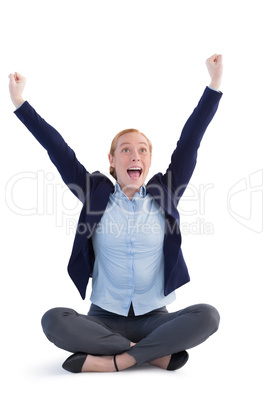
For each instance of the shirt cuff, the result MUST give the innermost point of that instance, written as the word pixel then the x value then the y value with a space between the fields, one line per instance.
pixel 20 106
pixel 213 89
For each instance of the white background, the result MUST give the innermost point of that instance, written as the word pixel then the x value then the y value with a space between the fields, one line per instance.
pixel 94 68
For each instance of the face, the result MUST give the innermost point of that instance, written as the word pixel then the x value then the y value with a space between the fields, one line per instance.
pixel 132 161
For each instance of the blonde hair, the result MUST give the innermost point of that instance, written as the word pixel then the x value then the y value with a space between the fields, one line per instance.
pixel 115 142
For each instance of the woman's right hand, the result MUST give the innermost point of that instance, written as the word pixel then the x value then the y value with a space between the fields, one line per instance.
pixel 16 86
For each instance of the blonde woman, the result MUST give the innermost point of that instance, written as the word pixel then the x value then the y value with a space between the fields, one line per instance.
pixel 128 240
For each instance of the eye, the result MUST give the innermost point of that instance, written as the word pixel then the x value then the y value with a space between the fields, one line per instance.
pixel 143 150
pixel 125 150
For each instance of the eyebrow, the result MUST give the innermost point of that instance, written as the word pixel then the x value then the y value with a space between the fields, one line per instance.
pixel 128 143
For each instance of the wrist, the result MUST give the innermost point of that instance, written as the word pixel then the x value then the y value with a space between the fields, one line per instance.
pixel 17 102
pixel 215 84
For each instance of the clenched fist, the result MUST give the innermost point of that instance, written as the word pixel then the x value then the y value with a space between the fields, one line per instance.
pixel 16 86
pixel 215 69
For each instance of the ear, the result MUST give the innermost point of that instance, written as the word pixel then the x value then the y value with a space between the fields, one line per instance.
pixel 111 160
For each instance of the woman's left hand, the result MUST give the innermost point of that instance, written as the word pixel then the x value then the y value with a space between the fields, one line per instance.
pixel 215 69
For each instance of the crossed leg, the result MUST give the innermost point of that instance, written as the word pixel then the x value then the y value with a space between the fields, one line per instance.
pixel 159 336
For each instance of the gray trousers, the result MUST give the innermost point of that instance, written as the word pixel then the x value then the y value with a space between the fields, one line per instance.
pixel 156 334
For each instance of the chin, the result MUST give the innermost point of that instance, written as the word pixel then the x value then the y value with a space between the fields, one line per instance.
pixel 136 183
pixel 130 183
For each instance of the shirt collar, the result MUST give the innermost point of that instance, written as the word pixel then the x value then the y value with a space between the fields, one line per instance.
pixel 141 193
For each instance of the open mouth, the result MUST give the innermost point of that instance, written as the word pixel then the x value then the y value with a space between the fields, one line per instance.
pixel 134 172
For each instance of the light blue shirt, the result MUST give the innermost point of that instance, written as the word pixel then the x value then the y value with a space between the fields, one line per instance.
pixel 129 258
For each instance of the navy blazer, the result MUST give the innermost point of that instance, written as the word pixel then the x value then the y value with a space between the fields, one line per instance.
pixel 94 189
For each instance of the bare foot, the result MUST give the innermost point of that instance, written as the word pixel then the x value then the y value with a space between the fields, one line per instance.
pixel 103 364
pixel 162 362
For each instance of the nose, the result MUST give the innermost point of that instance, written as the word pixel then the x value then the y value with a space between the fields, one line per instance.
pixel 135 156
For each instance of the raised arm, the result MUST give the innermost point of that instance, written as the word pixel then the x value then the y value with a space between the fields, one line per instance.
pixel 63 157
pixel 183 159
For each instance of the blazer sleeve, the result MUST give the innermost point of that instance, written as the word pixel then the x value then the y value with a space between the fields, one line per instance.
pixel 63 157
pixel 183 159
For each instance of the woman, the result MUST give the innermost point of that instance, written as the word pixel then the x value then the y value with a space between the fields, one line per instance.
pixel 128 240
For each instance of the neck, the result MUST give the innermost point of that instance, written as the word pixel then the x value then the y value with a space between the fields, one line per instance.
pixel 129 191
